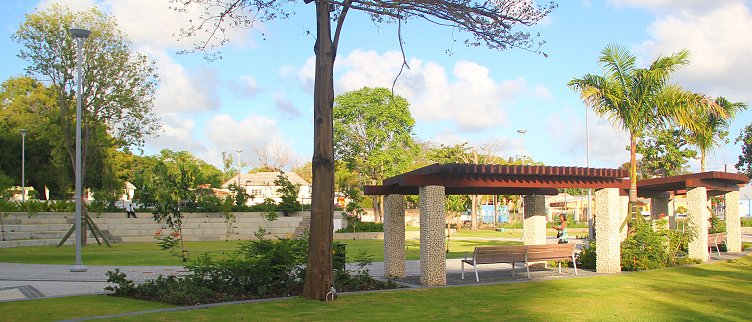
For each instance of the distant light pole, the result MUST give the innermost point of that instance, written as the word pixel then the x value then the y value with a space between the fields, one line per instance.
pixel 238 152
pixel 591 229
pixel 80 35
pixel 23 165
pixel 522 136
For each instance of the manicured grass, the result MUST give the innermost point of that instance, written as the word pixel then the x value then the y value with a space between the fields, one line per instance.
pixel 118 254
pixel 56 309
pixel 707 292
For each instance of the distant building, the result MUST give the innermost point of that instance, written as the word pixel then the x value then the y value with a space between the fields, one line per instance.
pixel 260 185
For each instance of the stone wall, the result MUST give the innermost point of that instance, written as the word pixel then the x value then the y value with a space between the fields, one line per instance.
pixel 534 224
pixel 608 217
pixel 698 215
pixel 432 248
pixel 394 236
pixel 733 223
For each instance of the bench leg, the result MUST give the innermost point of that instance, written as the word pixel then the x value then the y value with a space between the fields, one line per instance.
pixel 718 249
pixel 463 270
pixel 559 267
pixel 527 266
pixel 575 265
pixel 513 272
pixel 476 273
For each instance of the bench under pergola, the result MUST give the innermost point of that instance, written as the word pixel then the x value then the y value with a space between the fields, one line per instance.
pixel 432 183
pixel 698 187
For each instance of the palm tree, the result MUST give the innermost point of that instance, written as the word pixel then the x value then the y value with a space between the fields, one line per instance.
pixel 715 127
pixel 635 98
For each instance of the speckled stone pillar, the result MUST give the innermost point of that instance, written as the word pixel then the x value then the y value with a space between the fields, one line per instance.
pixel 534 224
pixel 394 236
pixel 697 214
pixel 608 210
pixel 733 223
pixel 623 214
pixel 672 214
pixel 432 248
pixel 660 205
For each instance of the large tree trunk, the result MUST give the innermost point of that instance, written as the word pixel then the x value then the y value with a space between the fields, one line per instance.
pixel 633 176
pixel 318 279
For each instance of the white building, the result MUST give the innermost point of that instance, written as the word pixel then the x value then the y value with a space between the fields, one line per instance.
pixel 260 185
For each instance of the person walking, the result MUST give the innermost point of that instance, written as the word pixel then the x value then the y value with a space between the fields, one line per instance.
pixel 129 211
pixel 561 229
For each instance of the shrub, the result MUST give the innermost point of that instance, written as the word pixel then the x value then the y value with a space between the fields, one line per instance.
pixel 586 258
pixel 643 249
pixel 747 222
pixel 716 225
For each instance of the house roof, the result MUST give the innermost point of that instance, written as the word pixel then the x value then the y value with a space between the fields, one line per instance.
pixel 264 179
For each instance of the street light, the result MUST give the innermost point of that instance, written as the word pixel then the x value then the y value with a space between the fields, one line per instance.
pixel 23 165
pixel 238 153
pixel 522 136
pixel 591 229
pixel 80 35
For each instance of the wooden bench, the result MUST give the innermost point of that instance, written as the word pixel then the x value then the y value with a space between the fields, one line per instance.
pixel 518 254
pixel 714 240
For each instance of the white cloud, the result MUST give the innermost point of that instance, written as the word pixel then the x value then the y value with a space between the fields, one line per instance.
pixel 181 91
pixel 177 134
pixel 566 131
pixel 225 134
pixel 715 35
pixel 246 86
pixel 471 99
pixel 285 106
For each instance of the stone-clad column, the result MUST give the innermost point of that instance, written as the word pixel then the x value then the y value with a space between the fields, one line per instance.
pixel 623 214
pixel 660 205
pixel 697 214
pixel 394 236
pixel 432 248
pixel 608 210
pixel 733 223
pixel 534 224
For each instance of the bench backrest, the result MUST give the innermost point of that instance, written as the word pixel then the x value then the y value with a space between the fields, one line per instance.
pixel 716 238
pixel 550 252
pixel 496 254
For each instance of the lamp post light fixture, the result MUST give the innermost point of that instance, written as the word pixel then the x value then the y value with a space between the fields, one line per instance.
pixel 522 136
pixel 23 165
pixel 80 35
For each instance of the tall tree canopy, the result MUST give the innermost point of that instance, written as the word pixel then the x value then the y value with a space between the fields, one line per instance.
pixel 373 134
pixel 713 127
pixel 745 158
pixel 665 152
pixel 118 83
pixel 491 23
pixel 634 99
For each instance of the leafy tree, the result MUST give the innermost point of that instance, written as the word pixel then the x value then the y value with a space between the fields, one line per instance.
pixel 745 159
pixel 714 127
pixel 491 23
pixel 289 194
pixel 665 152
pixel 634 99
pixel 304 171
pixel 373 135
pixel 118 83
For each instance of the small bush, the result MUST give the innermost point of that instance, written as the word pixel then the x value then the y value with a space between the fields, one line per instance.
pixel 586 258
pixel 747 222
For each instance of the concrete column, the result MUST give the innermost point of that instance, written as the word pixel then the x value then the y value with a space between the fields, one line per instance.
pixel 534 224
pixel 432 248
pixel 698 215
pixel 733 223
pixel 394 236
pixel 608 216
pixel 660 205
pixel 623 214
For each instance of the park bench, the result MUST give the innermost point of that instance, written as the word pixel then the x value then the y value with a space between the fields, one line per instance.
pixel 518 254
pixel 714 240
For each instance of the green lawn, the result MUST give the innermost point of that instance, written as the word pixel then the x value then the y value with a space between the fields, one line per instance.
pixel 150 254
pixel 708 292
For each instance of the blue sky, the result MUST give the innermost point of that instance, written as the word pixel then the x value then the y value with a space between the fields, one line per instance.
pixel 259 96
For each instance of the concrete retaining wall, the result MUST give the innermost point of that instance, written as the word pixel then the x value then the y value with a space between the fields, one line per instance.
pixel 22 229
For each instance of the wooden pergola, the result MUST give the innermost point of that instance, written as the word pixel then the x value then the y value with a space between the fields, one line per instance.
pixel 433 182
pixel 716 183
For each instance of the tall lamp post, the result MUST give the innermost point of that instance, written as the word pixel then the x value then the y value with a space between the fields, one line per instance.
pixel 23 165
pixel 80 35
pixel 591 228
pixel 522 138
